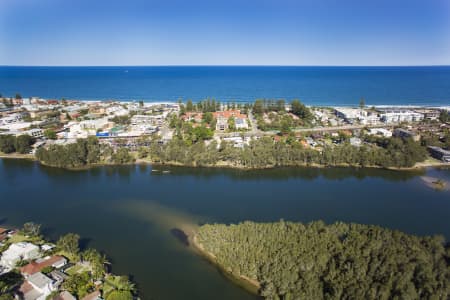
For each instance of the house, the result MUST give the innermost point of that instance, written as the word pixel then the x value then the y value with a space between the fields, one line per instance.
pixel 65 295
pixel 92 296
pixel 241 123
pixel 439 153
pixel 403 133
pixel 37 266
pixel 41 284
pixel 17 252
pixel 35 132
pixel 398 115
pixel 380 131
pixel 222 124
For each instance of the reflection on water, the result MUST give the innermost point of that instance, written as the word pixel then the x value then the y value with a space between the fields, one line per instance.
pixel 137 216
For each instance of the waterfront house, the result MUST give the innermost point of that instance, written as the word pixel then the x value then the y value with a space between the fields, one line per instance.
pixel 17 252
pixel 403 133
pixel 42 286
pixel 439 153
pixel 37 266
pixel 65 295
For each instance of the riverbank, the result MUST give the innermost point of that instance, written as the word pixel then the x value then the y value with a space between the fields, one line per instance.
pixel 430 162
pixel 245 282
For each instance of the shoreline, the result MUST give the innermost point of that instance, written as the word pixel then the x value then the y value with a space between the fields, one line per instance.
pixel 251 285
pixel 228 165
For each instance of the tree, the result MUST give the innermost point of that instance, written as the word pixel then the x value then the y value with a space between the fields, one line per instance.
pixel 23 143
pixel 122 156
pixel 362 103
pixel 300 110
pixel 31 229
pixel 9 282
pixel 258 107
pixel 50 134
pixel 208 117
pixel 189 105
pixel 444 116
pixel 69 243
pixel 97 261
pixel 231 123
pixel 7 143
pixel 141 103
pixel 18 96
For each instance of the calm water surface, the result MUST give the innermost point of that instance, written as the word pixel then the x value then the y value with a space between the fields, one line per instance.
pixel 129 211
pixel 313 85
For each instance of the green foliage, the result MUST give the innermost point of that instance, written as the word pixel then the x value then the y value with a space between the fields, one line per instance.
pixel 444 116
pixel 31 229
pixel 47 270
pixel 122 156
pixel 9 282
pixel 300 110
pixel 265 152
pixel 69 243
pixel 231 123
pixel 79 154
pixel 50 134
pixel 7 143
pixel 79 284
pixel 23 143
pixel 208 117
pixel 120 295
pixel 339 261
pixel 97 261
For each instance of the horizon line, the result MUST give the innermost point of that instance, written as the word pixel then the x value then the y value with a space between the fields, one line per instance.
pixel 212 65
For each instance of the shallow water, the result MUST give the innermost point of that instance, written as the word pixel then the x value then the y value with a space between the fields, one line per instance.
pixel 130 212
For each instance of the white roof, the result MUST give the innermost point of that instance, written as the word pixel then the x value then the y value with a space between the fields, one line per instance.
pixel 39 280
pixel 19 249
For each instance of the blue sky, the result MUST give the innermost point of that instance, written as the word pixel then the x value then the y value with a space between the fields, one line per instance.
pixel 231 32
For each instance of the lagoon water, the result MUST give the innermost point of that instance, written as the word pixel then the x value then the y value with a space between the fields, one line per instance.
pixel 130 211
pixel 313 85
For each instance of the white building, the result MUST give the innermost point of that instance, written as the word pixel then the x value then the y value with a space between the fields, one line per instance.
pixel 17 252
pixel 397 116
pixel 11 119
pixel 241 123
pixel 380 131
pixel 42 284
pixel 35 132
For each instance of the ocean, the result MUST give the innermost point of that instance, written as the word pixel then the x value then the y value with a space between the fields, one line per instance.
pixel 332 86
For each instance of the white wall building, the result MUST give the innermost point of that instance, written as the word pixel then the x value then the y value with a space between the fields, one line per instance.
pixel 380 131
pixel 17 252
pixel 397 116
pixel 41 284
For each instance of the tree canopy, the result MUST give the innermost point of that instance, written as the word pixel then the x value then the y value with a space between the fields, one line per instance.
pixel 338 261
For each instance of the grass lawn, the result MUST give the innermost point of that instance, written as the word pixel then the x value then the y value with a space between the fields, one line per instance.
pixel 76 269
pixel 17 238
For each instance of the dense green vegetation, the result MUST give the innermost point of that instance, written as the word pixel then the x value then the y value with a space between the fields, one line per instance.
pixel 339 261
pixel 278 118
pixel 9 284
pixel 265 152
pixel 21 144
pixel 83 152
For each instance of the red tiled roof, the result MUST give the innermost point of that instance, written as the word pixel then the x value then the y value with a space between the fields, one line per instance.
pixel 3 230
pixel 35 267
pixel 229 113
pixel 92 296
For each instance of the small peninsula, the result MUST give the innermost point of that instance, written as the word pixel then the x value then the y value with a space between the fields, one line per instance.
pixel 286 260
